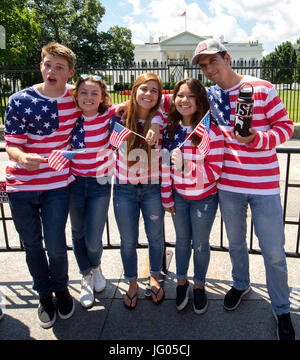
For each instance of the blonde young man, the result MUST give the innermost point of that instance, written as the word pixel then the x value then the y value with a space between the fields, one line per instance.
pixel 250 175
pixel 39 119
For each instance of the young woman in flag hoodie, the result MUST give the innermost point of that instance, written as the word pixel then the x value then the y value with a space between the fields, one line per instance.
pixel 189 193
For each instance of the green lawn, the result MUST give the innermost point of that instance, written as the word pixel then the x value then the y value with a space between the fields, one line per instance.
pixel 291 100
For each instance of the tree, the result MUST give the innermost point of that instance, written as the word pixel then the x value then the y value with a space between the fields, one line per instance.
pixel 278 65
pixel 75 24
pixel 22 33
pixel 31 24
pixel 70 22
pixel 119 46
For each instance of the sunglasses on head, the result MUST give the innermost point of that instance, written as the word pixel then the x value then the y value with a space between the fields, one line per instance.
pixel 94 77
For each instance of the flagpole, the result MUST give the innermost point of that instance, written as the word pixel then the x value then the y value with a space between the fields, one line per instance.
pixel 133 132
pixel 192 131
pixel 185 21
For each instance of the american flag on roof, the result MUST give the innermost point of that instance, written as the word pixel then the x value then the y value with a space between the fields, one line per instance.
pixel 60 159
pixel 118 135
pixel 202 130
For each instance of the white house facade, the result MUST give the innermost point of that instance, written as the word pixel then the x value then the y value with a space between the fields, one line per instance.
pixel 171 58
pixel 180 49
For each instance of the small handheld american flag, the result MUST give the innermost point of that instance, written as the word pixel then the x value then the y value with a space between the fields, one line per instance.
pixel 118 135
pixel 59 159
pixel 202 130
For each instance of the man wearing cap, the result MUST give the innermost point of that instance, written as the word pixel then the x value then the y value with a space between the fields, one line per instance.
pixel 250 175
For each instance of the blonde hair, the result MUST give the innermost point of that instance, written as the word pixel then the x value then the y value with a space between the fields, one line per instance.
pixel 56 49
pixel 133 141
pixel 102 84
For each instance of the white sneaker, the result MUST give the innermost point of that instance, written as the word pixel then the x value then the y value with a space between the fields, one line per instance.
pixel 87 291
pixel 99 279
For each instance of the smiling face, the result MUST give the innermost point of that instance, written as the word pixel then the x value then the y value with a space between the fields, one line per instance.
pixel 215 67
pixel 89 97
pixel 186 103
pixel 55 72
pixel 147 95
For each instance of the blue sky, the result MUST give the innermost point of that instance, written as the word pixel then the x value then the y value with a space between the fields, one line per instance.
pixel 271 22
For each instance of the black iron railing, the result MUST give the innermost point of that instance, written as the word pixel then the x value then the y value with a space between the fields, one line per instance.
pixel 220 247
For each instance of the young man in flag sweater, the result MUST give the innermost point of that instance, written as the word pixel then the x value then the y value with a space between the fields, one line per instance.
pixel 38 120
pixel 250 175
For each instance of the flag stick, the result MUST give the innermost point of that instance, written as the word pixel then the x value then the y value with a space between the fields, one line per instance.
pixel 133 132
pixel 192 131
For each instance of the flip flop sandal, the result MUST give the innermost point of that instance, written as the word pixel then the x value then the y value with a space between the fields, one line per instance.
pixel 130 307
pixel 155 293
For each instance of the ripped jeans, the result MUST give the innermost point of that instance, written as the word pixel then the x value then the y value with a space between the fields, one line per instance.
pixel 193 221
pixel 128 201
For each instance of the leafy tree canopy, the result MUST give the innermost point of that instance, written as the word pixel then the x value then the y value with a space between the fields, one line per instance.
pixel 30 24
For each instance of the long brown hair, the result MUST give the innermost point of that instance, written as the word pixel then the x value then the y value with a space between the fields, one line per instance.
pixel 202 105
pixel 133 141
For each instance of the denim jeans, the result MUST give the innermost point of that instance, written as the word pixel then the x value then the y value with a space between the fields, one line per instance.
pixel 267 218
pixel 129 200
pixel 89 202
pixel 193 221
pixel 43 212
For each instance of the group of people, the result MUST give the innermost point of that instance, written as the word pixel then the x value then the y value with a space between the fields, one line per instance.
pixel 201 171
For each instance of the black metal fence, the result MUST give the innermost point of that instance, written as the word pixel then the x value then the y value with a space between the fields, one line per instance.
pixel 120 79
pixel 292 158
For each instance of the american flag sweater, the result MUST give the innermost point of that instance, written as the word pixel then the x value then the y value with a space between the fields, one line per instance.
pixel 38 124
pixel 92 134
pixel 200 174
pixel 251 168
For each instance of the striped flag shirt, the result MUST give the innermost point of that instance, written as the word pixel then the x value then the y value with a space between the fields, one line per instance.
pixel 128 171
pixel 92 134
pixel 38 124
pixel 199 177
pixel 252 168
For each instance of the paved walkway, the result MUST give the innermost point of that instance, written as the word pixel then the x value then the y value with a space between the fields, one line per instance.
pixel 110 320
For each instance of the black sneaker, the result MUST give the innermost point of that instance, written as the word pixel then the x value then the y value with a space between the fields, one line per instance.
pixel 65 304
pixel 46 312
pixel 285 329
pixel 200 301
pixel 182 295
pixel 233 298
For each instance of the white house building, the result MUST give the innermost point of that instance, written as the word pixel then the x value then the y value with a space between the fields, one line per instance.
pixel 180 49
pixel 171 58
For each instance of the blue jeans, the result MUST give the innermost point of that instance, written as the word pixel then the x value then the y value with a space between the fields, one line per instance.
pixel 193 221
pixel 267 218
pixel 43 212
pixel 89 202
pixel 129 200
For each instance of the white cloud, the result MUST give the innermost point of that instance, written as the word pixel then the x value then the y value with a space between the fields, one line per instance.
pixel 268 21
pixel 137 10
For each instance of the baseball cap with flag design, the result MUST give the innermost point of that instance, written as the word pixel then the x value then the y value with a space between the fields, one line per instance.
pixel 208 46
